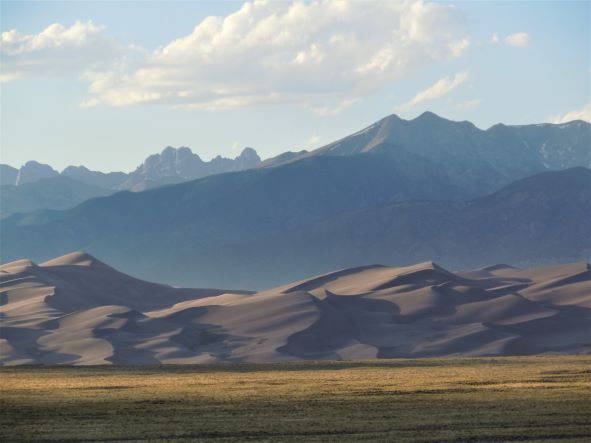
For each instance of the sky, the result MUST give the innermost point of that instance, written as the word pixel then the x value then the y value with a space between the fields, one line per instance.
pixel 105 84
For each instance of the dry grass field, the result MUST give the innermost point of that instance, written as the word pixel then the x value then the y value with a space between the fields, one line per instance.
pixel 480 399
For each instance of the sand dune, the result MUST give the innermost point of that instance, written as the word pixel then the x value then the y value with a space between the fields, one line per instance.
pixel 77 310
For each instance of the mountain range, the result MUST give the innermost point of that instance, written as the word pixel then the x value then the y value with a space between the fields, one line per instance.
pixel 76 310
pixel 481 160
pixel 39 186
pixel 397 192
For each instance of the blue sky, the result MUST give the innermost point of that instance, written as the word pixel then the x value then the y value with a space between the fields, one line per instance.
pixel 106 84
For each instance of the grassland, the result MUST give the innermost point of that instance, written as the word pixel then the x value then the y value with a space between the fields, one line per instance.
pixel 484 399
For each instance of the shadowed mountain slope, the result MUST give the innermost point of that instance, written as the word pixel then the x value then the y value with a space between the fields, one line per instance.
pixel 58 192
pixel 177 224
pixel 258 228
pixel 78 310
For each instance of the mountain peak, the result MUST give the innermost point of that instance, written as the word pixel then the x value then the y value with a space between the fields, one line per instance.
pixel 391 117
pixel 429 117
pixel 248 151
pixel 34 171
pixel 175 165
pixel 248 158
pixel 69 170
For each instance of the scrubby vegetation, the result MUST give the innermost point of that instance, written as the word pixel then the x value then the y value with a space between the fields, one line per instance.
pixel 481 399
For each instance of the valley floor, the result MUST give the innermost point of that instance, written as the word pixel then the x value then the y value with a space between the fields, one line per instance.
pixel 546 398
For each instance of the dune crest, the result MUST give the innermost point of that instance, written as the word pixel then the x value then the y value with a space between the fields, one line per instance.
pixel 77 258
pixel 77 310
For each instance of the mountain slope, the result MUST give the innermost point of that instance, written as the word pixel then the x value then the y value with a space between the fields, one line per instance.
pixel 482 161
pixel 58 192
pixel 77 310
pixel 537 220
pixel 221 209
pixel 8 175
pixel 105 180
pixel 259 227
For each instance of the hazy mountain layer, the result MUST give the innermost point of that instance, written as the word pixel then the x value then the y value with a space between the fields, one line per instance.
pixel 257 228
pixel 171 166
pixel 397 192
pixel 106 180
pixel 8 175
pixel 59 192
pixel 182 224
pixel 77 310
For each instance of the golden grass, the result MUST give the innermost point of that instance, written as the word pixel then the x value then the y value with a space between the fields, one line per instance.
pixel 484 399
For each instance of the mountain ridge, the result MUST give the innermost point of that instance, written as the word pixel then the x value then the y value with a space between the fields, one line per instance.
pixel 156 169
pixel 484 159
pixel 193 233
pixel 379 201
pixel 532 138
pixel 37 186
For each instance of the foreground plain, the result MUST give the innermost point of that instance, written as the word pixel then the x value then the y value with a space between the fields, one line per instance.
pixel 545 398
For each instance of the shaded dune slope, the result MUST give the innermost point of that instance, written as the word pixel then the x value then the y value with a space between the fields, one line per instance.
pixel 77 310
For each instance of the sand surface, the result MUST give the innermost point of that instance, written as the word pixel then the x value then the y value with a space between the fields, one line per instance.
pixel 76 310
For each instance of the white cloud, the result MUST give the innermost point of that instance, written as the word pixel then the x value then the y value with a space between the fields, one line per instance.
pixel 519 39
pixel 440 88
pixel 580 114
pixel 313 140
pixel 59 51
pixel 322 54
pixel 459 47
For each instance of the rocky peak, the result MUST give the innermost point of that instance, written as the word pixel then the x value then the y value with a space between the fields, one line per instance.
pixel 33 171
pixel 180 164
pixel 248 158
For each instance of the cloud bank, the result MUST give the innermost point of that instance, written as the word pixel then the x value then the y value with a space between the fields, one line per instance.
pixel 60 51
pixel 322 54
